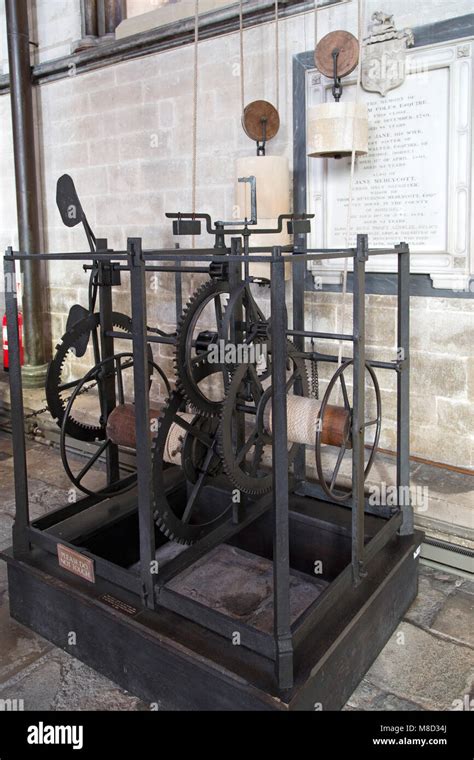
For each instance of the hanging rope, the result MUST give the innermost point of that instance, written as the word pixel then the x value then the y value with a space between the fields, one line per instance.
pixel 241 33
pixel 195 106
pixel 314 363
pixel 360 17
pixel 277 57
pixel 316 23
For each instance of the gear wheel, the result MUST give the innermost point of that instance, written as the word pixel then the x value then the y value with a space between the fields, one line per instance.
pixel 191 370
pixel 185 526
pixel 246 388
pixel 55 387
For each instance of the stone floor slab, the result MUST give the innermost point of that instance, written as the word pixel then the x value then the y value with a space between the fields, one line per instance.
pixel 60 682
pixel 418 666
pixel 456 618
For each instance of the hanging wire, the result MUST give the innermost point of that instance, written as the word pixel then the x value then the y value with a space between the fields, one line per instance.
pixel 195 108
pixel 195 103
pixel 316 9
pixel 277 56
pixel 360 18
pixel 314 363
pixel 241 39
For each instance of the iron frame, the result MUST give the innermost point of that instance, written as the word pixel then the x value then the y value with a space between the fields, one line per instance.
pixel 46 532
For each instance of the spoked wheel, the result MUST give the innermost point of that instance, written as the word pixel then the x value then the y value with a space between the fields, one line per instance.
pixel 206 321
pixel 329 484
pixel 114 370
pixel 66 371
pixel 187 440
pixel 243 432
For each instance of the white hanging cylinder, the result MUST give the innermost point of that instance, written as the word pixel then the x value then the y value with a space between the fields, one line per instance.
pixel 336 129
pixel 272 176
pixel 273 186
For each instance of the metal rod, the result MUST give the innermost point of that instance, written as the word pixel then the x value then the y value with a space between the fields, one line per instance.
pixel 103 567
pixel 176 270
pixel 22 517
pixel 142 417
pixel 236 338
pixel 308 622
pixel 150 338
pixel 198 254
pixel 107 381
pixel 324 335
pixel 299 273
pixel 358 430
pixel 281 542
pixel 403 389
pixel 34 274
pixel 394 366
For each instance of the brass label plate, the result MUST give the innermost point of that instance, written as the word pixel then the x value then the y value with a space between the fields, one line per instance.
pixel 76 563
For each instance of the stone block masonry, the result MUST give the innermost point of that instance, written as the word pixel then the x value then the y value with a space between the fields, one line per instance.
pixel 124 133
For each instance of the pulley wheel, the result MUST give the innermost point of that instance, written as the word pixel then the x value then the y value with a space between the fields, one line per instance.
pixel 348 57
pixel 255 115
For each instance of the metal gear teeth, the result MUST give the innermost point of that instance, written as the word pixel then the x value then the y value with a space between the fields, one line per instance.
pixel 60 404
pixel 228 470
pixel 182 381
pixel 220 432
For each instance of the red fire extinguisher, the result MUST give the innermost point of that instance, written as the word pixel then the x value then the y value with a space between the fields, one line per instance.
pixel 5 341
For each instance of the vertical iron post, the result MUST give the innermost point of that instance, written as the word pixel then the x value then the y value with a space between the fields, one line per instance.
pixel 235 337
pixel 107 379
pixel 22 517
pixel 281 541
pixel 299 273
pixel 142 419
pixel 403 388
pixel 358 429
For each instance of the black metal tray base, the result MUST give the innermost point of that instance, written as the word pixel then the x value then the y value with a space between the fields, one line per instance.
pixel 176 664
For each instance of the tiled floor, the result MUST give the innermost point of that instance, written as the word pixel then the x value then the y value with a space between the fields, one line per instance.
pixel 427 664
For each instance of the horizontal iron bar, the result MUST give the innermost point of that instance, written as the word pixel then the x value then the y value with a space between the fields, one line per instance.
pixel 325 335
pixel 314 490
pixel 63 513
pixel 150 338
pixel 372 362
pixel 308 621
pixel 251 638
pixel 102 567
pixel 196 254
pixel 183 270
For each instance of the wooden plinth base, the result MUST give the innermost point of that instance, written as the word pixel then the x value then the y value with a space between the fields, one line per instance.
pixel 176 664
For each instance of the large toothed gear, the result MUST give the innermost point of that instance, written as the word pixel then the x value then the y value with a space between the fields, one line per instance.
pixel 191 363
pixel 188 441
pixel 191 366
pixel 57 389
pixel 249 395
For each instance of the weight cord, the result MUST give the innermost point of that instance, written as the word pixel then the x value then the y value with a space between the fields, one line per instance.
pixel 360 16
pixel 241 43
pixel 195 107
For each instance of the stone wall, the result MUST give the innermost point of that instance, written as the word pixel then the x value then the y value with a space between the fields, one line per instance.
pixel 124 134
